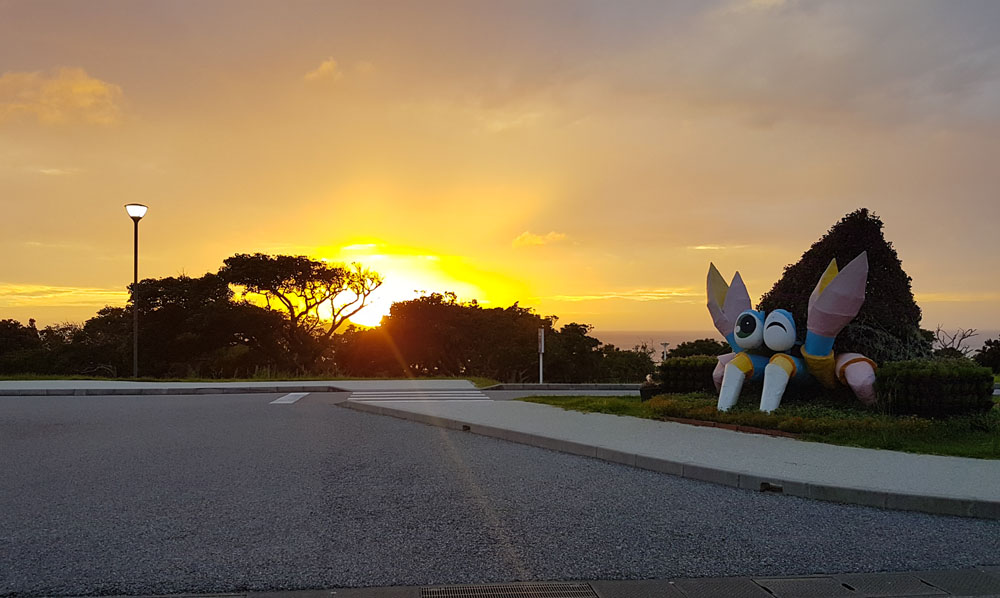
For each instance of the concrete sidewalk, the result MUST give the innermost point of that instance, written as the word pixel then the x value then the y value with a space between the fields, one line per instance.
pixel 887 479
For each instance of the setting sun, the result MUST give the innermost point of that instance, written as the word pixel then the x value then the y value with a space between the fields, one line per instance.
pixel 408 273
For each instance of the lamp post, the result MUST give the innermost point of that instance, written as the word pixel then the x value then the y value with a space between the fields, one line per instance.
pixel 135 211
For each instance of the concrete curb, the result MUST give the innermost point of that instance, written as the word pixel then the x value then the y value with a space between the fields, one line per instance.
pixel 872 497
pixel 562 386
pixel 980 581
pixel 197 390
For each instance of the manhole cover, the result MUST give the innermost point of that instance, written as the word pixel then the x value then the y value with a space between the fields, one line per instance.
pixel 513 590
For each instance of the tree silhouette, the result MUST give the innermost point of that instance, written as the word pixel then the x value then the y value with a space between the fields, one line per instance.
pixel 301 286
pixel 887 327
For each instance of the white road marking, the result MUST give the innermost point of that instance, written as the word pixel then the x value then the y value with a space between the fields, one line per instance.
pixel 418 395
pixel 289 398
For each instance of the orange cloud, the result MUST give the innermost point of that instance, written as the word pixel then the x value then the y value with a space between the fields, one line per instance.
pixel 682 294
pixel 716 247
pixel 16 295
pixel 327 70
pixel 64 96
pixel 527 239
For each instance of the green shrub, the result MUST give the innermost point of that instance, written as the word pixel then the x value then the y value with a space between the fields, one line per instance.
pixel 686 374
pixel 934 387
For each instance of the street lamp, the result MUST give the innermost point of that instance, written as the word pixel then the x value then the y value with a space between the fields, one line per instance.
pixel 135 211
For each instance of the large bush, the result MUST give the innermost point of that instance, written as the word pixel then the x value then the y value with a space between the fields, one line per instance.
pixel 887 327
pixel 685 374
pixel 934 387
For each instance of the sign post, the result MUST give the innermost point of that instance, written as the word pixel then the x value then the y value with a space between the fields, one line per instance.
pixel 541 355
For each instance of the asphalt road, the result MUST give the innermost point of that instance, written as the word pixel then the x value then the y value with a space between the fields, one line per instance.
pixel 219 493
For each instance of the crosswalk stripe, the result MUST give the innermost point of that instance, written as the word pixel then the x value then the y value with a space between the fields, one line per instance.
pixel 289 398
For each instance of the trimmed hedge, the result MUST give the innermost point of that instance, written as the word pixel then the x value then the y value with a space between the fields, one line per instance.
pixel 934 387
pixel 685 374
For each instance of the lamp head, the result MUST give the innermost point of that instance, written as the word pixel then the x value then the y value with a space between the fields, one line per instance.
pixel 136 211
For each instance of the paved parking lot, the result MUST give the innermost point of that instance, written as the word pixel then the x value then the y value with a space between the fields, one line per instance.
pixel 229 493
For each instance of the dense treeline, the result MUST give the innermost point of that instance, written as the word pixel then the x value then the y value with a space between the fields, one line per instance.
pixel 437 335
pixel 259 317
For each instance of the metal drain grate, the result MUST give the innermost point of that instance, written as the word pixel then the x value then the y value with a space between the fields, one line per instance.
pixel 512 590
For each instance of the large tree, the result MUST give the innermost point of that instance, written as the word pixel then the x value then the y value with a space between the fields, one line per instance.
pixel 187 327
pixel 887 327
pixel 307 291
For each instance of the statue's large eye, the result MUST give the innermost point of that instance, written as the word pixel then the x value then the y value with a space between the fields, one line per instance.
pixel 779 330
pixel 749 329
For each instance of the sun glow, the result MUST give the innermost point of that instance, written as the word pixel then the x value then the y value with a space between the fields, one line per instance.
pixel 410 273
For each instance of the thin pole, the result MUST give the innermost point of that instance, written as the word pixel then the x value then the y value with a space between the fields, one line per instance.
pixel 541 355
pixel 135 301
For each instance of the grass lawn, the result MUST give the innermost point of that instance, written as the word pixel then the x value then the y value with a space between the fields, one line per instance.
pixel 835 423
pixel 478 382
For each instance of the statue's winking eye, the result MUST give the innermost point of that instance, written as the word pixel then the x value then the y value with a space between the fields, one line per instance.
pixel 779 330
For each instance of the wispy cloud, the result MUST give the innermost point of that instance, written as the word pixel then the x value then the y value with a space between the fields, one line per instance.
pixel 496 121
pixel 364 67
pixel 18 295
pixel 58 171
pixel 748 5
pixel 63 246
pixel 716 247
pixel 527 239
pixel 328 70
pixel 63 96
pixel 957 297
pixel 683 294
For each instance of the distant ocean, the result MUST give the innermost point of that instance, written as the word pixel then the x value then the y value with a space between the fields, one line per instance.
pixel 626 339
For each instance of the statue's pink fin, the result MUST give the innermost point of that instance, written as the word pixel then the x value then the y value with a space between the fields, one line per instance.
pixel 726 302
pixel 834 302
pixel 737 300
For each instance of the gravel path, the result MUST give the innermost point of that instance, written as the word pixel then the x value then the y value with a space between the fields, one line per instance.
pixel 205 494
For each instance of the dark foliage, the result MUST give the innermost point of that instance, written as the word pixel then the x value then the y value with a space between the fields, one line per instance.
pixel 702 346
pixel 437 335
pixel 948 353
pixel 989 355
pixel 625 365
pixel 685 374
pixel 191 327
pixel 934 387
pixel 188 327
pixel 887 327
pixel 18 345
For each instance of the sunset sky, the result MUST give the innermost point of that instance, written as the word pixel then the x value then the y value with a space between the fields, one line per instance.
pixel 586 158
